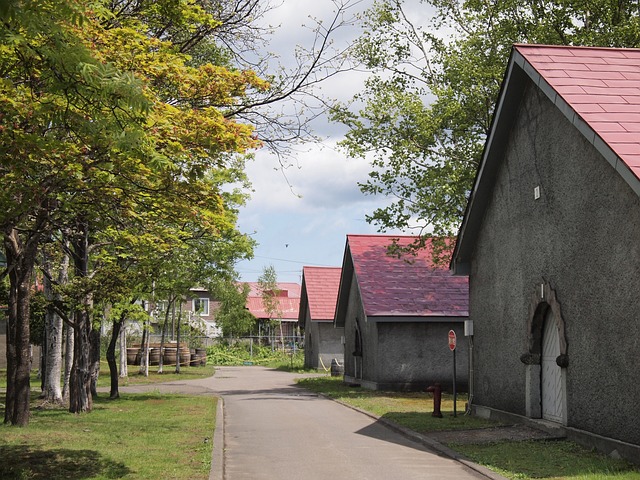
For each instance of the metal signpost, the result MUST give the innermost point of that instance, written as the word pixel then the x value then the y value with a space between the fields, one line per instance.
pixel 452 347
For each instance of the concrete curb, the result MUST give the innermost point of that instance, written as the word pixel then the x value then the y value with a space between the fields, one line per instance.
pixel 426 441
pixel 217 455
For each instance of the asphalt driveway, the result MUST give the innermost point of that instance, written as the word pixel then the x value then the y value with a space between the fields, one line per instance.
pixel 271 429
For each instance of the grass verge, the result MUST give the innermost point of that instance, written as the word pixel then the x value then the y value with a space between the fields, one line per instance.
pixel 168 375
pixel 138 436
pixel 551 460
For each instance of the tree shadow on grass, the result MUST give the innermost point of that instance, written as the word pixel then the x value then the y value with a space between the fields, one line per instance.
pixel 23 461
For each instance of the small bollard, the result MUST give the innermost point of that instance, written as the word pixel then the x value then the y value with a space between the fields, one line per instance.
pixel 437 399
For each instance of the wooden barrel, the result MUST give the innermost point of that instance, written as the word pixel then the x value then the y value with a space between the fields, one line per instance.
pixel 185 356
pixel 132 354
pixel 201 354
pixel 195 361
pixel 169 357
pixel 154 356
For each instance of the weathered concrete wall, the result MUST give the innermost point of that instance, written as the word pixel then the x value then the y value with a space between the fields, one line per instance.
pixel 330 344
pixel 322 343
pixel 401 355
pixel 414 355
pixel 310 342
pixel 581 237
pixel 356 368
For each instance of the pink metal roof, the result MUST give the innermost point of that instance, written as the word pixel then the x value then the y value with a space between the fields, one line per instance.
pixel 321 285
pixel 287 289
pixel 288 301
pixel 602 85
pixel 407 286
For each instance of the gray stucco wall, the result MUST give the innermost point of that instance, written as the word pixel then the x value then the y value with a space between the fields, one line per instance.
pixel 330 343
pixel 401 355
pixel 356 368
pixel 310 342
pixel 581 237
pixel 414 355
pixel 322 343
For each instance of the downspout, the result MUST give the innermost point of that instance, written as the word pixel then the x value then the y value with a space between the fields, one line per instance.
pixel 468 412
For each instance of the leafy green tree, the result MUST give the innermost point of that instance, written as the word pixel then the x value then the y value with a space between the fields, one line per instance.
pixel 232 316
pixel 98 125
pixel 125 116
pixel 51 106
pixel 269 291
pixel 425 112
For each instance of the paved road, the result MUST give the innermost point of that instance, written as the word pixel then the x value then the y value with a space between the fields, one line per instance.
pixel 276 430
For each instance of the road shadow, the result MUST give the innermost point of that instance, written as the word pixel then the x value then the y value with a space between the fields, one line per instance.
pixel 24 461
pixel 388 431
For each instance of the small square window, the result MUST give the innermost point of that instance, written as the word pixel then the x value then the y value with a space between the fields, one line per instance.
pixel 201 306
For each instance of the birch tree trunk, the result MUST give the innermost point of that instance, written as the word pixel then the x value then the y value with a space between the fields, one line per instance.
pixel 162 338
pixel 94 356
pixel 52 391
pixel 124 370
pixel 178 338
pixel 68 357
pixel 144 357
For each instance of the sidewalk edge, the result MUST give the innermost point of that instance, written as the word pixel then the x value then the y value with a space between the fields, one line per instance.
pixel 217 455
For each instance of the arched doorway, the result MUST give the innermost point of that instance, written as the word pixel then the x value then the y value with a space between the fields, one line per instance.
pixel 547 359
pixel 551 385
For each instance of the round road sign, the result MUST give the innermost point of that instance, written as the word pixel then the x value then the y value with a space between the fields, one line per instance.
pixel 452 340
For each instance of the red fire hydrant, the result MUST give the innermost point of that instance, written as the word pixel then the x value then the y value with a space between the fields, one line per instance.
pixel 437 399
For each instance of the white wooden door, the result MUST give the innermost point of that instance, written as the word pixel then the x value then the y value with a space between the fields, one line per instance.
pixel 551 381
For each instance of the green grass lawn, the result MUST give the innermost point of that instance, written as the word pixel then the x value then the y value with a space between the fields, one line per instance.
pixel 551 460
pixel 139 436
pixel 168 375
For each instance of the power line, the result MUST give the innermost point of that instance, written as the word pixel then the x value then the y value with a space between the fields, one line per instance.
pixel 294 261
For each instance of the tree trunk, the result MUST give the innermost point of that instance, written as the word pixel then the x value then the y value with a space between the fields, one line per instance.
pixel 80 384
pixel 144 356
pixel 281 334
pixel 42 374
pixel 52 345
pixel 124 371
pixel 94 355
pixel 162 338
pixel 68 358
pixel 20 261
pixel 111 357
pixel 178 338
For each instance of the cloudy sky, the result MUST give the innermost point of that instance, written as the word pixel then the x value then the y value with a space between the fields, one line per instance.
pixel 301 216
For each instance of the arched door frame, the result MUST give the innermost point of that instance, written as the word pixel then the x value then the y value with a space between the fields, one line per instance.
pixel 543 302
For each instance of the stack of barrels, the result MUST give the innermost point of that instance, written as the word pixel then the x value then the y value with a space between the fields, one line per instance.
pixel 194 357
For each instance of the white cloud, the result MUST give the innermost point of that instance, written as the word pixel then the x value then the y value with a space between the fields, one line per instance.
pixel 302 214
pixel 319 178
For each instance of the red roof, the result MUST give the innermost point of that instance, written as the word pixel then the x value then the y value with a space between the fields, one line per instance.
pixel 406 286
pixel 288 301
pixel 286 289
pixel 602 85
pixel 321 286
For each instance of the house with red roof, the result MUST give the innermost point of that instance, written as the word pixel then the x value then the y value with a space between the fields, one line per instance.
pixel 550 241
pixel 396 312
pixel 322 341
pixel 285 316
